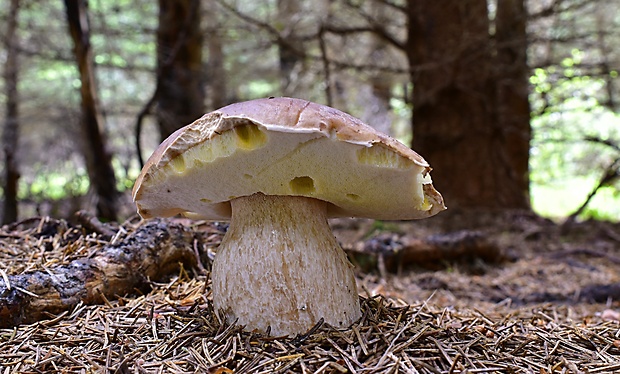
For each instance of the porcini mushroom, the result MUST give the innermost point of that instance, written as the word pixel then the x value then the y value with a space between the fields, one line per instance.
pixel 277 169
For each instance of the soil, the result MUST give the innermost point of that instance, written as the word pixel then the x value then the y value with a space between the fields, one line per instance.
pixel 576 265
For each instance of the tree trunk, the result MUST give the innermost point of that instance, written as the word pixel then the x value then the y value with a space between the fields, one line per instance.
pixel 513 105
pixel 455 121
pixel 10 136
pixel 216 72
pixel 288 14
pixel 377 110
pixel 98 160
pixel 180 100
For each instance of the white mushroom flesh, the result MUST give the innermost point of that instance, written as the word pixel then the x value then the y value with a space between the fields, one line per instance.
pixel 357 180
pixel 280 268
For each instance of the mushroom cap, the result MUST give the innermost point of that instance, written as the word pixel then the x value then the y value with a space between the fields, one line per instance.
pixel 285 146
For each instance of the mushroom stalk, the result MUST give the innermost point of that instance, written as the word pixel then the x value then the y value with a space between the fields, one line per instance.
pixel 280 267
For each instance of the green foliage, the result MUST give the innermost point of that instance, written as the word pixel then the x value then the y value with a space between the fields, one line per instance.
pixel 54 186
pixel 259 88
pixel 573 142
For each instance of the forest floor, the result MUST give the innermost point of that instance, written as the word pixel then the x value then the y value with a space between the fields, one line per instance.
pixel 531 261
pixel 546 300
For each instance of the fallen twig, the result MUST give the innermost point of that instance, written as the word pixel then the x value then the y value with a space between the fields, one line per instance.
pixel 389 252
pixel 151 252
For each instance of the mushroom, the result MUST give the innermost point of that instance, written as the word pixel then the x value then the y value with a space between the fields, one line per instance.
pixel 278 168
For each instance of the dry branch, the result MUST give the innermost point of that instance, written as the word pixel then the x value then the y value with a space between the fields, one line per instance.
pixel 152 251
pixel 388 252
pixel 610 175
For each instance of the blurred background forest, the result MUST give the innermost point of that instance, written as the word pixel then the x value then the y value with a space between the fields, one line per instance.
pixel 513 102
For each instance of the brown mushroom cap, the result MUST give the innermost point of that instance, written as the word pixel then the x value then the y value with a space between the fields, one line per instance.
pixel 285 146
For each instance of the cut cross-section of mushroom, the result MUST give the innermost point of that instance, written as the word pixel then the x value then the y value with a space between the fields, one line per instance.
pixel 277 169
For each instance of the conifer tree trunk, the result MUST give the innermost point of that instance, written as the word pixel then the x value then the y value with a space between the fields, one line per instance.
pixel 288 14
pixel 180 99
pixel 512 79
pixel 377 112
pixel 98 160
pixel 456 122
pixel 10 136
pixel 216 72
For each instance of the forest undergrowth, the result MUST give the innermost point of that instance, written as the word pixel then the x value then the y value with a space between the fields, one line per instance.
pixel 546 303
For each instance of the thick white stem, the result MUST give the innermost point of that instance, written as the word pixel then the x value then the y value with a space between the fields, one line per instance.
pixel 280 266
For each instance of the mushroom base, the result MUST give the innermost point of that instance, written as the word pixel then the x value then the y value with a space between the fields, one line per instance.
pixel 280 267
